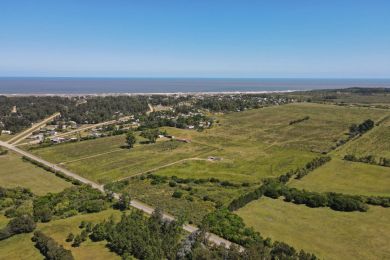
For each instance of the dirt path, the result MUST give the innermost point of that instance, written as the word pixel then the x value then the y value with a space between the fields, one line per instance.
pixel 151 109
pixel 164 166
pixel 91 156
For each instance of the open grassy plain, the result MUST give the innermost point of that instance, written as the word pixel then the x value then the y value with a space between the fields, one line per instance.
pixel 21 246
pixel 327 233
pixel 261 143
pixel 15 172
pixel 347 177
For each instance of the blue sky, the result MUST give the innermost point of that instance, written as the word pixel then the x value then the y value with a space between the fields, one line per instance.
pixel 198 38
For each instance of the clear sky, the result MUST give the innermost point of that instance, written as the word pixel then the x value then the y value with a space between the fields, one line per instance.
pixel 197 38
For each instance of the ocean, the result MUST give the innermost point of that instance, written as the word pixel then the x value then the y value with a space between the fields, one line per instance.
pixel 72 86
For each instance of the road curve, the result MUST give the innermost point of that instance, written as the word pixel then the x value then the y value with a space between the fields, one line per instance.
pixel 134 203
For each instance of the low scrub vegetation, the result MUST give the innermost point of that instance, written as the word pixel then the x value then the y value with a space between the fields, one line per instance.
pixel 18 225
pixel 71 201
pixel 50 248
pixel 371 159
pixel 299 120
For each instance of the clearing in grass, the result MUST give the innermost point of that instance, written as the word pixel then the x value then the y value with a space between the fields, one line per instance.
pixel 16 172
pixel 348 178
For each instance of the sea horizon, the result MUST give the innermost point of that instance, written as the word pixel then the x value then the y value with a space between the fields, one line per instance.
pixel 172 85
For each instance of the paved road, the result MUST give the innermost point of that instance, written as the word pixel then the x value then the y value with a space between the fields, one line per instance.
pixel 17 138
pixel 134 203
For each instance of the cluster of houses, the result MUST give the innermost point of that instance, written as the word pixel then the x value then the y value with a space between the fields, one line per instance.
pixel 50 131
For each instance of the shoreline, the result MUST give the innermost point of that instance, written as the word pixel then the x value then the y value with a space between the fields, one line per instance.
pixel 202 93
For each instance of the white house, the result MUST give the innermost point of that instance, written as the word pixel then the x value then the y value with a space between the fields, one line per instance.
pixel 5 132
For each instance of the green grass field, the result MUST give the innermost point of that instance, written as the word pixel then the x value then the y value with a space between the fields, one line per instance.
pixel 15 172
pixel 103 160
pixel 347 177
pixel 21 246
pixel 327 233
pixel 5 137
pixel 260 143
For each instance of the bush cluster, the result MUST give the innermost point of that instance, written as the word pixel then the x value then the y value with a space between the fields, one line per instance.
pixel 69 202
pixel 18 225
pixel 50 248
pixel 299 120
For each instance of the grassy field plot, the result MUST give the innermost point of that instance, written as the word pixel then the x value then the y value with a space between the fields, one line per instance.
pixel 250 163
pixel 327 233
pixel 19 247
pixel 72 151
pixel 124 163
pixel 347 177
pixel 15 172
pixel 261 143
pixel 376 142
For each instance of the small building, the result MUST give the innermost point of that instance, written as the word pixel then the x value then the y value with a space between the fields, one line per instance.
pixel 6 132
pixel 52 132
pixel 57 140
pixel 38 137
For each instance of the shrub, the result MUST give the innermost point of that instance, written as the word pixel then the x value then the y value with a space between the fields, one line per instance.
pixel 177 194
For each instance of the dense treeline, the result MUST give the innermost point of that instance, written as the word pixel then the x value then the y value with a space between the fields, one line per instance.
pixel 311 166
pixel 92 109
pixel 82 110
pixel 382 161
pixel 340 202
pixel 299 120
pixel 175 119
pixel 140 236
pixel 275 188
pixel 355 129
pixel 18 225
pixel 232 227
pixel 240 102
pixel 50 248
pixel 69 202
